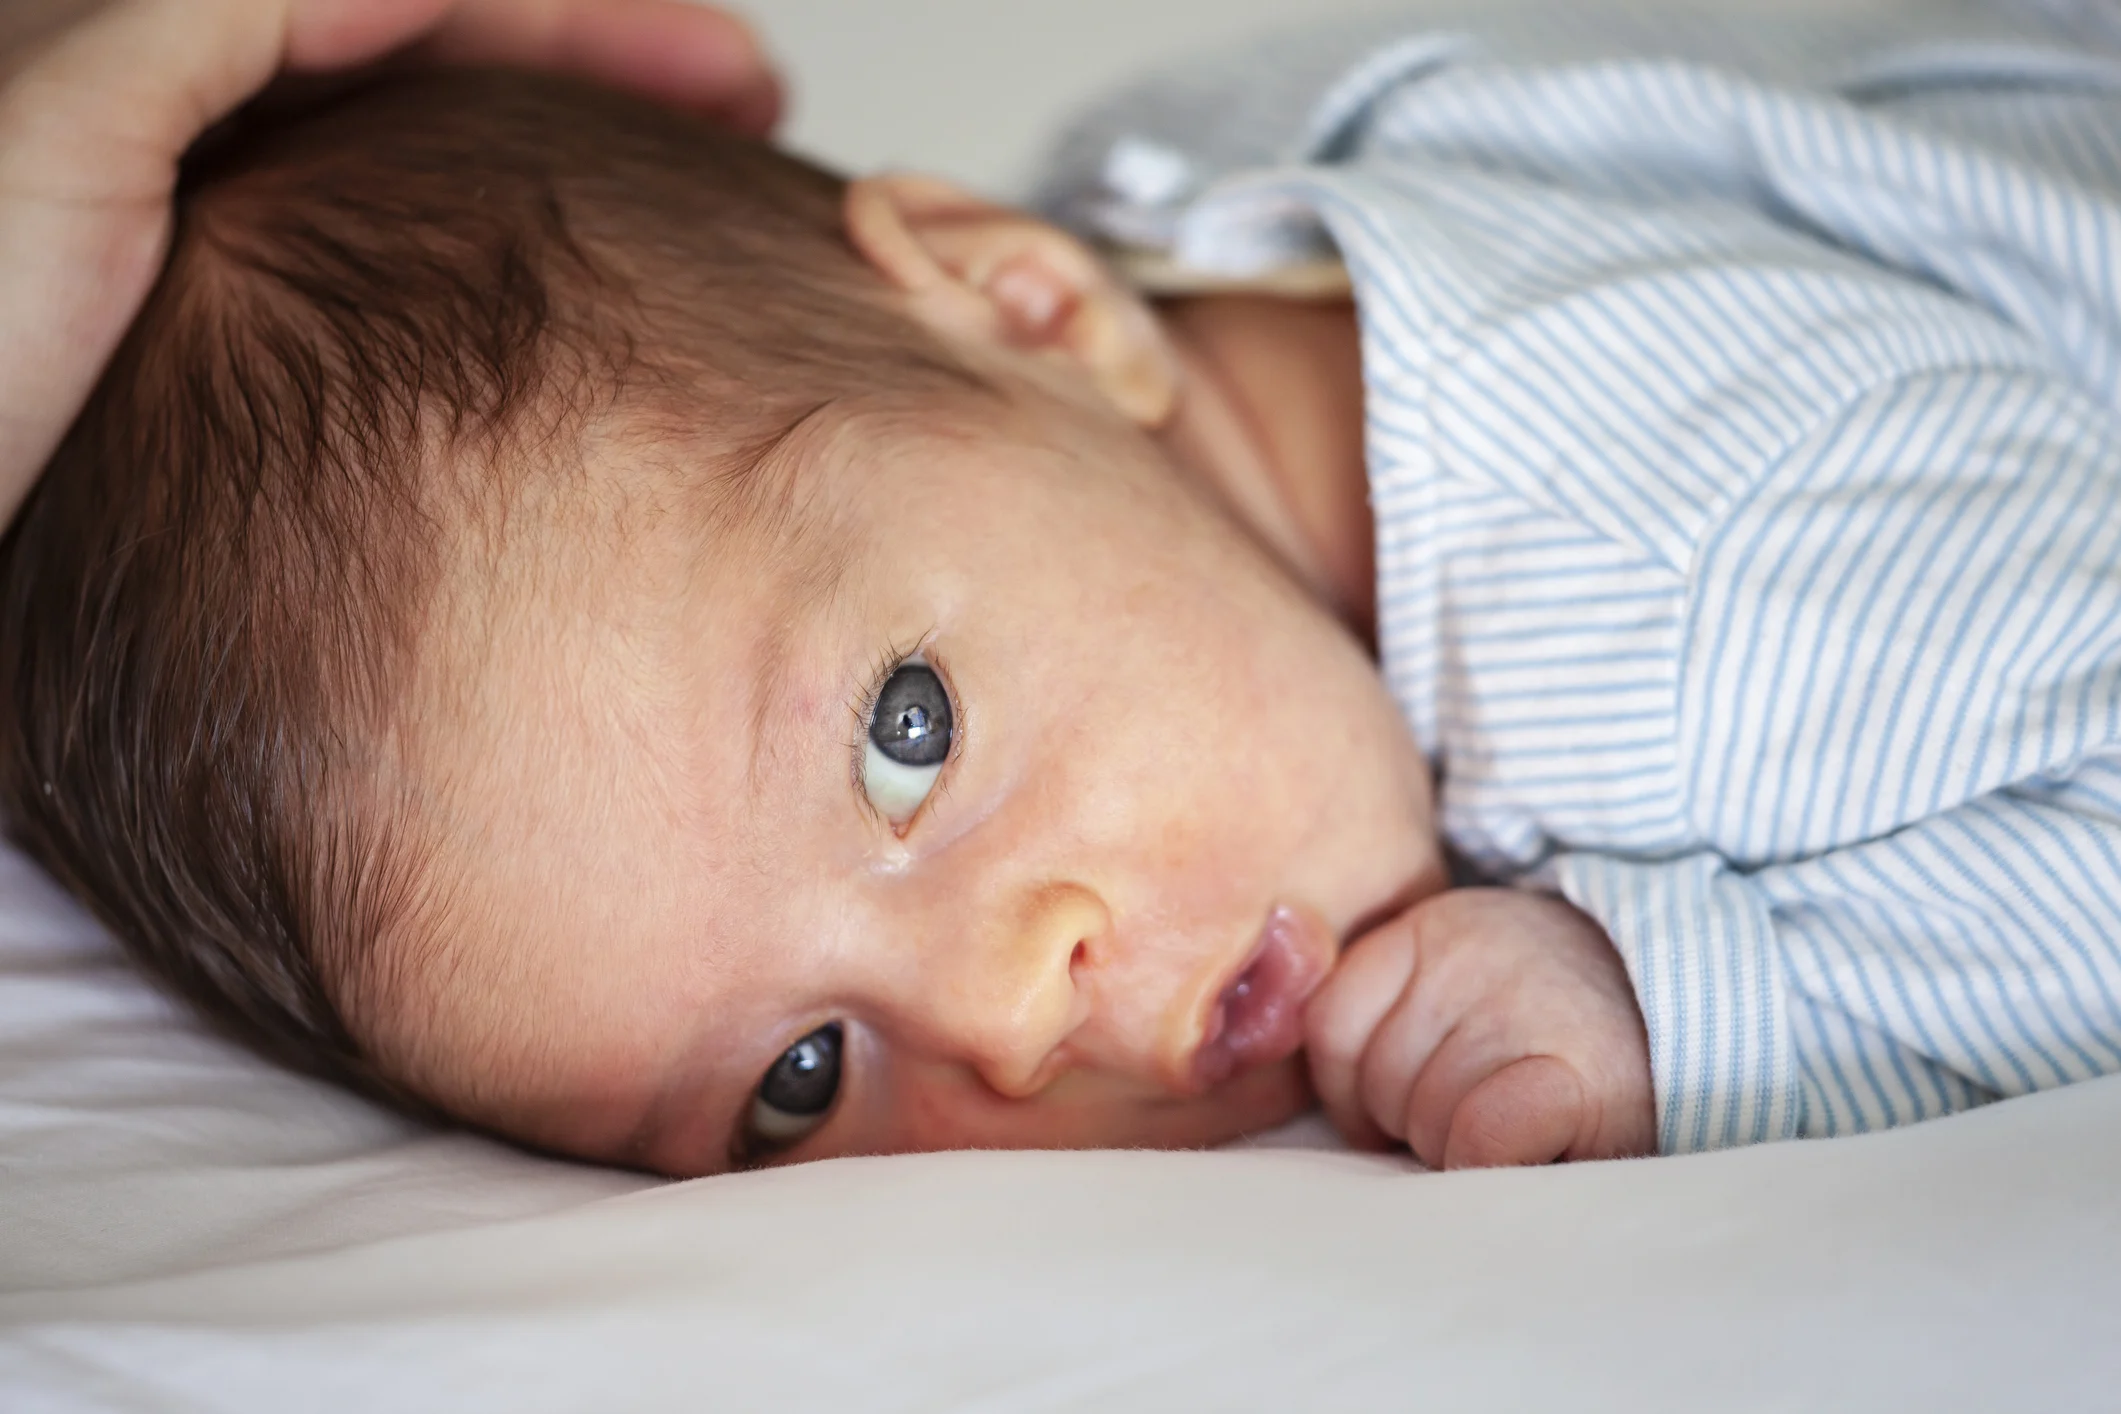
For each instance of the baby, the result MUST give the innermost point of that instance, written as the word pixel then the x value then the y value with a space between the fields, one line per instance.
pixel 584 624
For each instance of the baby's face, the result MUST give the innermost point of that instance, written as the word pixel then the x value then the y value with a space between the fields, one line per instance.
pixel 987 786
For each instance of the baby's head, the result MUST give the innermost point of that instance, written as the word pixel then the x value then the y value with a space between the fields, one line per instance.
pixel 577 620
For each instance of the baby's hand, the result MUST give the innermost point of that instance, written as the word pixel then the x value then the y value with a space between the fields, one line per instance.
pixel 1484 1027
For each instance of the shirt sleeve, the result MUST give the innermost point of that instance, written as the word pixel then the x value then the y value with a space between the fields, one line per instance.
pixel 1700 948
pixel 1899 707
pixel 1973 955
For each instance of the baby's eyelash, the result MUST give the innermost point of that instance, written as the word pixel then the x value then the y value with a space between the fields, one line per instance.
pixel 864 705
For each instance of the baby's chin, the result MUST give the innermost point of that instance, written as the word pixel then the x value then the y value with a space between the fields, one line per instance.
pixel 1250 1103
pixel 1253 1102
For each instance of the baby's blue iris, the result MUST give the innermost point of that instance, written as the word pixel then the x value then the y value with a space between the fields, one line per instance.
pixel 909 740
pixel 912 722
pixel 797 1093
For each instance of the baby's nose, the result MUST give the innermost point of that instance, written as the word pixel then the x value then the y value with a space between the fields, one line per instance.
pixel 1023 992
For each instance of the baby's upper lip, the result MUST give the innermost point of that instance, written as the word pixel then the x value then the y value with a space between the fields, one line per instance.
pixel 1255 1015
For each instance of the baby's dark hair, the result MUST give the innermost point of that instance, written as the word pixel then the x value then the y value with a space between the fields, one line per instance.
pixel 375 318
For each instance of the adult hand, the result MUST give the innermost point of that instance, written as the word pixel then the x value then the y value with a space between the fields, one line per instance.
pixel 98 103
pixel 1484 1027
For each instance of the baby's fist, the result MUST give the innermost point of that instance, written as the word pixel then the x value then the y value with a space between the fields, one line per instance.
pixel 1484 1027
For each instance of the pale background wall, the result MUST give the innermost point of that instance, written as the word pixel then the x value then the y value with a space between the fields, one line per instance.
pixel 968 88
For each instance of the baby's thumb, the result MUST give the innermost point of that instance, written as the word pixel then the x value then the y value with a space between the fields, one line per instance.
pixel 1532 1111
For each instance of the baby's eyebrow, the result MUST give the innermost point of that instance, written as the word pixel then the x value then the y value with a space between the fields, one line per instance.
pixel 769 698
pixel 815 578
pixel 777 687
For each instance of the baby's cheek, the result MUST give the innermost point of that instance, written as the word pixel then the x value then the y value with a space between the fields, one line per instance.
pixel 941 1116
pixel 942 1108
pixel 1186 850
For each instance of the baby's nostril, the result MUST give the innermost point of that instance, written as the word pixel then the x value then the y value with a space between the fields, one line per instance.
pixel 1077 958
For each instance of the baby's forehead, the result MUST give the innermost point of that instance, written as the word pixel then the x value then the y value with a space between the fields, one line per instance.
pixel 798 509
pixel 666 568
pixel 640 500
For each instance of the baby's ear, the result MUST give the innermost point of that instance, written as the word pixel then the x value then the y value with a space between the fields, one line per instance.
pixel 977 271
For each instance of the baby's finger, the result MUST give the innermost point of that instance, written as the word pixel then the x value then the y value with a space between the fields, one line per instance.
pixel 1531 1111
pixel 1399 1054
pixel 1454 1064
pixel 1343 1016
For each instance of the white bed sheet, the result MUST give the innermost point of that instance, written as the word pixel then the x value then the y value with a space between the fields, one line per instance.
pixel 182 1227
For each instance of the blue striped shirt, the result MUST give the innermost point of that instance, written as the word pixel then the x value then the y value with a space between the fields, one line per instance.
pixel 1745 446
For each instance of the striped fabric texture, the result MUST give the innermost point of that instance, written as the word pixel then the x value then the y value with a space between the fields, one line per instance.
pixel 1746 456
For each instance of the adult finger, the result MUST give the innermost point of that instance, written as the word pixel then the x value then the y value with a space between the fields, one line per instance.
pixel 690 55
pixel 91 130
pixel 90 133
pixel 126 91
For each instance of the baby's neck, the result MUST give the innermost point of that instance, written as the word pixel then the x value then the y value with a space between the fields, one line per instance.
pixel 1272 414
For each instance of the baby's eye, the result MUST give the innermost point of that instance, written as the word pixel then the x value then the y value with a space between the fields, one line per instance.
pixel 909 739
pixel 797 1093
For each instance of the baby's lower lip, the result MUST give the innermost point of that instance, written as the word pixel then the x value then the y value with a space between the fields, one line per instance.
pixel 1258 1020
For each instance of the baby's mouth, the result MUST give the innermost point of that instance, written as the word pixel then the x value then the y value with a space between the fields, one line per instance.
pixel 1258 1019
